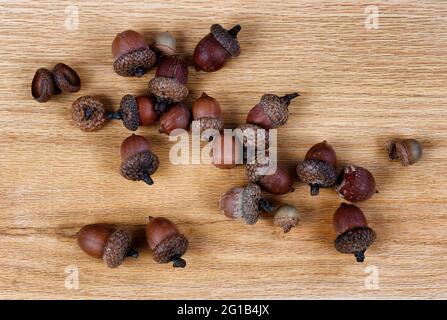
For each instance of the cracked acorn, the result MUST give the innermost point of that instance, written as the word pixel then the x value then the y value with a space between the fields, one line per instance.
pixel 132 55
pixel 318 168
pixel 215 49
pixel 356 184
pixel 106 242
pixel 138 161
pixel 353 234
pixel 166 242
pixel 244 203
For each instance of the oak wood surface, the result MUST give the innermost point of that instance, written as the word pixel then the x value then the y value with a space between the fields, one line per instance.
pixel 359 87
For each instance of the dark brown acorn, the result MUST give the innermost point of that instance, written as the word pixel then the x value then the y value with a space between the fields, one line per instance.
pixel 244 203
pixel 355 184
pixel 89 113
pixel 272 177
pixel 178 116
pixel 408 151
pixel 207 115
pixel 286 217
pixel 255 139
pixel 139 162
pixel 133 57
pixel 353 234
pixel 66 78
pixel 272 111
pixel 165 43
pixel 169 84
pixel 215 49
pixel 166 241
pixel 106 242
pixel 318 168
pixel 227 152
pixel 43 86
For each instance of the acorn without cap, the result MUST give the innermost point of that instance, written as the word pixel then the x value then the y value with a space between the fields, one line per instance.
pixel 166 241
pixel 165 43
pixel 353 234
pixel 244 203
pixel 227 152
pixel 207 115
pixel 215 49
pixel 286 217
pixel 273 178
pixel 138 161
pixel 178 116
pixel 132 54
pixel 318 168
pixel 356 184
pixel 408 151
pixel 106 242
pixel 169 84
pixel 272 111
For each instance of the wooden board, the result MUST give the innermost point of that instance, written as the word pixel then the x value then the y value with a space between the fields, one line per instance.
pixel 360 86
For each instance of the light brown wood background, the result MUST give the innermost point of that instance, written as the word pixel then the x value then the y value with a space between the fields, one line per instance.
pixel 359 87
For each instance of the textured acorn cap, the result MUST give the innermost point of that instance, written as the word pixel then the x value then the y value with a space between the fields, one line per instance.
pixel 248 203
pixel 355 241
pixel 66 78
pixel 228 42
pixel 255 171
pixel 206 123
pixel 88 113
pixel 140 166
pixel 116 248
pixel 168 89
pixel 170 248
pixel 134 62
pixel 316 173
pixel 275 108
pixel 129 112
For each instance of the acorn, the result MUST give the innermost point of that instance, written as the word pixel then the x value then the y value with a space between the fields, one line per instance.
pixel 106 242
pixel 356 184
pixel 227 152
pixel 133 57
pixel 169 84
pixel 207 115
pixel 178 116
pixel 244 203
pixel 272 111
pixel 138 161
pixel 215 49
pixel 66 78
pixel 89 113
pixel 165 43
pixel 43 86
pixel 318 168
pixel 408 151
pixel 286 217
pixel 353 234
pixel 272 177
pixel 254 139
pixel 166 242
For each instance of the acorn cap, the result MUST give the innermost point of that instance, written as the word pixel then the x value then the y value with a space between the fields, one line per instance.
pixel 317 174
pixel 168 89
pixel 170 248
pixel 226 40
pixel 43 86
pixel 135 63
pixel 88 113
pixel 140 166
pixel 206 123
pixel 116 248
pixel 276 108
pixel 129 112
pixel 356 241
pixel 66 78
pixel 255 171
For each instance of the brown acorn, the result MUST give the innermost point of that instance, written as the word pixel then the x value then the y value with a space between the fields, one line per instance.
pixel 408 151
pixel 227 153
pixel 207 115
pixel 166 242
pixel 133 57
pixel 178 116
pixel 353 234
pixel 139 162
pixel 279 181
pixel 43 86
pixel 215 49
pixel 244 203
pixel 318 168
pixel 106 242
pixel 169 84
pixel 165 43
pixel 272 111
pixel 66 78
pixel 255 139
pixel 356 184
pixel 286 217
pixel 89 113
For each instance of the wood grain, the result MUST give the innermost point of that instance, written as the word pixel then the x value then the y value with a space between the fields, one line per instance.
pixel 359 87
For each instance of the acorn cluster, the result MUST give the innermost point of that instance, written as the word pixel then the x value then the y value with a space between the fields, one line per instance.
pixel 165 103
